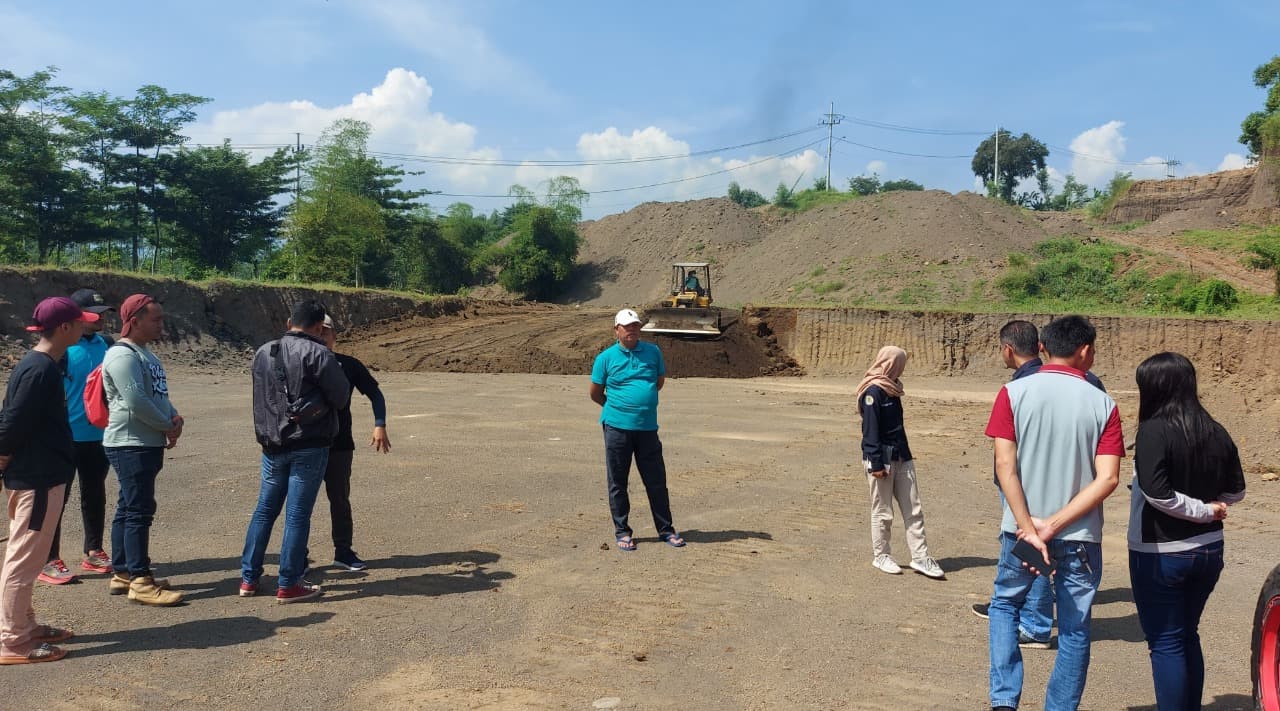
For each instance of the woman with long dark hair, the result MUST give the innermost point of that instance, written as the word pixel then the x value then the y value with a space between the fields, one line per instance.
pixel 1186 472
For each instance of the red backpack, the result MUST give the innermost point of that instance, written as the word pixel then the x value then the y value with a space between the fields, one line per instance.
pixel 95 396
pixel 95 400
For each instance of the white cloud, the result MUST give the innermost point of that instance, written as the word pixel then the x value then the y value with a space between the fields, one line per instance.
pixel 878 167
pixel 403 119
pixel 1099 154
pixel 398 111
pixel 441 32
pixel 1233 161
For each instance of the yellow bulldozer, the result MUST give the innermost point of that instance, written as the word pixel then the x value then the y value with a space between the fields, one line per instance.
pixel 687 311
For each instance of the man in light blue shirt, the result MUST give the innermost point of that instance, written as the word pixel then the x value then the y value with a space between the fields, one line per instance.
pixel 625 380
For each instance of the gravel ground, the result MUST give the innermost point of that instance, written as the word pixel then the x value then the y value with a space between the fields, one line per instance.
pixel 494 584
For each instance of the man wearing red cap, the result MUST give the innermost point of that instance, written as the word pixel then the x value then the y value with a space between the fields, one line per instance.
pixel 36 462
pixel 91 460
pixel 142 425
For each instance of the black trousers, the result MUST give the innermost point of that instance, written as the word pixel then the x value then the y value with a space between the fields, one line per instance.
pixel 337 487
pixel 620 447
pixel 91 469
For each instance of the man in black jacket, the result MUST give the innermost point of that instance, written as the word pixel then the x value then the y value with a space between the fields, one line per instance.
pixel 36 459
pixel 298 389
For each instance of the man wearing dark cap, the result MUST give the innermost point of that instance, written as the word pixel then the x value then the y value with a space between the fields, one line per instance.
pixel 143 424
pixel 90 458
pixel 36 462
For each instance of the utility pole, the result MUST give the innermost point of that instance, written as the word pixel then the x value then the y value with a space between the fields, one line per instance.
pixel 830 121
pixel 995 171
pixel 1169 164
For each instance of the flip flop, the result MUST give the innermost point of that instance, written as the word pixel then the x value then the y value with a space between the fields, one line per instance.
pixel 49 633
pixel 43 653
pixel 673 539
pixel 626 543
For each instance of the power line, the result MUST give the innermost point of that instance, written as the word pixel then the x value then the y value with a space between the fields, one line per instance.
pixel 776 156
pixel 900 153
pixel 1100 159
pixel 503 162
pixel 912 129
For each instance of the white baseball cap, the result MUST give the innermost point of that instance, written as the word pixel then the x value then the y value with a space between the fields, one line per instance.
pixel 626 317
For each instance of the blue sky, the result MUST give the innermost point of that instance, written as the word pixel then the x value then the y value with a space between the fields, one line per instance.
pixel 1118 83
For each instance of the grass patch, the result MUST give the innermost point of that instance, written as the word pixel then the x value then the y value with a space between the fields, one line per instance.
pixel 827 287
pixel 817 272
pixel 1087 276
pixel 1129 226
pixel 1235 240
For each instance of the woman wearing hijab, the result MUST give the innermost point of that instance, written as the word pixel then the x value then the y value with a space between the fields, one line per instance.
pixel 1186 472
pixel 891 473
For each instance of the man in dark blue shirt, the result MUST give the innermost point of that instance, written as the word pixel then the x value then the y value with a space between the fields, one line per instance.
pixel 337 473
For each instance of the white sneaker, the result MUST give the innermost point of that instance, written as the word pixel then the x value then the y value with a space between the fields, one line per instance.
pixel 885 564
pixel 928 567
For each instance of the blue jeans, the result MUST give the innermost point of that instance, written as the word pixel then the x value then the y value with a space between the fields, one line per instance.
pixel 137 469
pixel 1036 620
pixel 620 446
pixel 293 477
pixel 1078 573
pixel 1170 590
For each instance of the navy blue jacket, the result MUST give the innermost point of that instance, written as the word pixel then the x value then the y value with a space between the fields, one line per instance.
pixel 884 438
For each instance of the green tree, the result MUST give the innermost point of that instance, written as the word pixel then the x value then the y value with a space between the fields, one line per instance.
pixel 747 198
pixel 784 197
pixel 865 185
pixel 1266 254
pixel 1266 76
pixel 541 255
pixel 222 206
pixel 339 175
pixel 435 261
pixel 43 200
pixel 902 184
pixel 1020 158
pixel 151 121
pixel 820 183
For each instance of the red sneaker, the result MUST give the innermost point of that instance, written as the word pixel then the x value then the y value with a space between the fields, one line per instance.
pixel 56 573
pixel 96 562
pixel 298 593
pixel 248 589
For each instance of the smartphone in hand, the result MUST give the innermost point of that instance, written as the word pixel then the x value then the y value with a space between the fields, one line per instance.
pixel 1028 554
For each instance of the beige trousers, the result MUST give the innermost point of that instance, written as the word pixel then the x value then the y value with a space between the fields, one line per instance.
pixel 900 484
pixel 24 556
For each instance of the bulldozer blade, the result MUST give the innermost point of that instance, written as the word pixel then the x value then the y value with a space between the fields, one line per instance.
pixel 700 323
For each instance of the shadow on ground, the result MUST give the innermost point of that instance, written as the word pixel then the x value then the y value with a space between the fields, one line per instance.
pixel 199 634
pixel 1226 702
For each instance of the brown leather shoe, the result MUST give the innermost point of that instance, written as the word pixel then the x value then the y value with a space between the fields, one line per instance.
pixel 145 591
pixel 119 583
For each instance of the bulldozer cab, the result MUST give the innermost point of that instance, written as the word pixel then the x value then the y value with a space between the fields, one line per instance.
pixel 690 284
pixel 686 310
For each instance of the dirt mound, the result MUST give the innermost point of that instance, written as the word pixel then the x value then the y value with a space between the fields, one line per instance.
pixel 495 337
pixel 213 326
pixel 846 252
pixel 1214 200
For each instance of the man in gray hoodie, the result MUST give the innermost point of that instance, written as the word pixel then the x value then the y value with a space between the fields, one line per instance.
pixel 143 424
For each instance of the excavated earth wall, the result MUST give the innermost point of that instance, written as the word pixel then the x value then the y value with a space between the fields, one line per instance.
pixel 844 341
pixel 1247 195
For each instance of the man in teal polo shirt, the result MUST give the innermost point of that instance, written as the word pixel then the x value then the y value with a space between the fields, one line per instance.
pixel 625 381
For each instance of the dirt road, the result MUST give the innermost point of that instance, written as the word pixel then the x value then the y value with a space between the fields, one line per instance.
pixel 494 584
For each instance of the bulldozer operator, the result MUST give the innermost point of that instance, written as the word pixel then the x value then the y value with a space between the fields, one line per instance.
pixel 691 283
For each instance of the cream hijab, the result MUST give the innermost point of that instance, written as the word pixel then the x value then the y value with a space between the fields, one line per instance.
pixel 885 371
